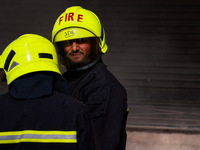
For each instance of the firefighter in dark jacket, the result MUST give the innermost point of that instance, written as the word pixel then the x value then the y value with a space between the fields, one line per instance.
pixel 37 113
pixel 80 41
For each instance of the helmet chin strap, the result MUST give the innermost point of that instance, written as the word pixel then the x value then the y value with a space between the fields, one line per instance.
pixel 88 65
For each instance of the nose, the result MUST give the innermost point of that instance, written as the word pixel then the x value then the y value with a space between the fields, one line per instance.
pixel 74 46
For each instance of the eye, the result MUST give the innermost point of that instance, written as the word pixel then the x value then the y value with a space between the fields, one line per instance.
pixel 83 40
pixel 67 43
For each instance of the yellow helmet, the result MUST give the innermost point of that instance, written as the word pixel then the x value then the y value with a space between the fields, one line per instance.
pixel 28 53
pixel 77 22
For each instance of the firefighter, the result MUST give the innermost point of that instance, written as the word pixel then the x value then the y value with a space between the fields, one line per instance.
pixel 37 113
pixel 80 42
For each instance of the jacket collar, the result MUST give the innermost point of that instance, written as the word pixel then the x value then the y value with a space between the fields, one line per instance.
pixel 37 85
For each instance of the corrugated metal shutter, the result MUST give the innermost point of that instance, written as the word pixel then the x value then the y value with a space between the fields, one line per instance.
pixel 153 50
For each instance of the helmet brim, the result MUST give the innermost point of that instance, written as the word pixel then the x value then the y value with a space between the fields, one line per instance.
pixel 72 33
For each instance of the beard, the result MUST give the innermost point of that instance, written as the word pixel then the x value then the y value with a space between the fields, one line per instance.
pixel 72 65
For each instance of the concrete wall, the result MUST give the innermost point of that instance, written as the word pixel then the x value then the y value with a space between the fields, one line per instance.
pixel 140 140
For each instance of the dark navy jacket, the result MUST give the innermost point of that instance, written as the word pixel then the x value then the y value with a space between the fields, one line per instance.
pixel 107 102
pixel 50 122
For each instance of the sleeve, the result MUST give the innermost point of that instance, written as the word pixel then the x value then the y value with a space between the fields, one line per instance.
pixel 110 117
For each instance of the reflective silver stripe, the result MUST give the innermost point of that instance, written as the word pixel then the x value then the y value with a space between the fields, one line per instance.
pixel 38 136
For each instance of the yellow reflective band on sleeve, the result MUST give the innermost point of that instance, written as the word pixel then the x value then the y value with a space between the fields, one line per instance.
pixel 38 136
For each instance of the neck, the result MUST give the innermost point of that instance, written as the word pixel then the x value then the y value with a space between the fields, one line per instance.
pixel 91 64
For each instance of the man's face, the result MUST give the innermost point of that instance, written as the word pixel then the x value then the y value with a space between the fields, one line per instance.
pixel 77 52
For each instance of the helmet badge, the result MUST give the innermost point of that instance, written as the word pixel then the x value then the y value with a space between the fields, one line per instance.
pixel 69 33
